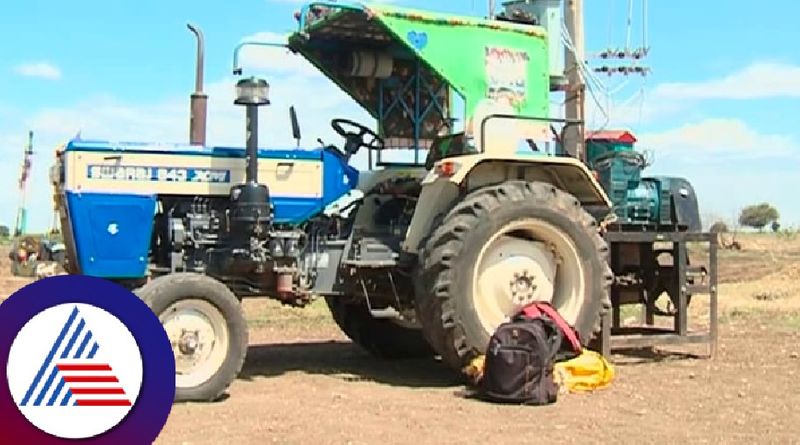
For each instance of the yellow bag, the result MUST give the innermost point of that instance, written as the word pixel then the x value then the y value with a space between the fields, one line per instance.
pixel 587 372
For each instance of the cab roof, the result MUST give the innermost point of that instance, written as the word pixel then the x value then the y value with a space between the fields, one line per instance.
pixel 433 56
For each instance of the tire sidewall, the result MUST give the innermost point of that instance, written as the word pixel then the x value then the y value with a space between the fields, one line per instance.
pixel 380 337
pixel 489 224
pixel 165 291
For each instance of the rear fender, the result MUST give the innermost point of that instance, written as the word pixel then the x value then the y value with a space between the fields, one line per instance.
pixel 452 178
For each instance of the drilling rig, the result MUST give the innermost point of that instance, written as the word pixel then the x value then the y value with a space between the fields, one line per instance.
pixel 31 255
pixel 22 211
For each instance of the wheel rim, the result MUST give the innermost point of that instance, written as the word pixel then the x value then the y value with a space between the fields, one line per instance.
pixel 199 337
pixel 525 261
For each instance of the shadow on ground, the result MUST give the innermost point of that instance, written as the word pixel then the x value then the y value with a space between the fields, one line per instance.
pixel 644 356
pixel 347 362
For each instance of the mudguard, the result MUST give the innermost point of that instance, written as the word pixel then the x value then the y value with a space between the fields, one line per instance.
pixel 451 177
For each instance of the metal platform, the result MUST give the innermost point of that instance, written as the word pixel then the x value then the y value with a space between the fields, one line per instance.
pixel 647 334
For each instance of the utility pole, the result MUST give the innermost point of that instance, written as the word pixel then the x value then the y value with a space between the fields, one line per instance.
pixel 576 87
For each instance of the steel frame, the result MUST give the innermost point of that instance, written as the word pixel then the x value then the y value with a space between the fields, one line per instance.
pixel 419 86
pixel 614 336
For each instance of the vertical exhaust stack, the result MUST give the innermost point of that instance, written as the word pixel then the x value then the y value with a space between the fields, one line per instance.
pixel 199 100
pixel 251 211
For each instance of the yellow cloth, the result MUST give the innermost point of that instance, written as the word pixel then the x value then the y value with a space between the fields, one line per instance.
pixel 474 370
pixel 587 372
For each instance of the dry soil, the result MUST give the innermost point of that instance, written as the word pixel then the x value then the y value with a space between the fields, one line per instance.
pixel 304 382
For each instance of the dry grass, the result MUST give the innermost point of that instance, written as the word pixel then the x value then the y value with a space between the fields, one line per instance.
pixel 761 279
pixel 760 282
pixel 776 259
pixel 263 312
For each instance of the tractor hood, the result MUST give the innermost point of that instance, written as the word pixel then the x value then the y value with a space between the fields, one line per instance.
pixel 398 62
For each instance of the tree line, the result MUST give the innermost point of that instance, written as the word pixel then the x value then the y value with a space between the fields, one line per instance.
pixel 756 216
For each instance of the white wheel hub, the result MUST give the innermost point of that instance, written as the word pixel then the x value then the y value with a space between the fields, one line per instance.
pixel 526 261
pixel 516 272
pixel 199 337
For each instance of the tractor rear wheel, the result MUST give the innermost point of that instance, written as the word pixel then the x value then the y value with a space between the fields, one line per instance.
pixel 382 338
pixel 207 328
pixel 500 248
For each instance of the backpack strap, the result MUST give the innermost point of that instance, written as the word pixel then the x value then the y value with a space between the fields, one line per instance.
pixel 531 311
pixel 537 309
pixel 555 341
pixel 562 324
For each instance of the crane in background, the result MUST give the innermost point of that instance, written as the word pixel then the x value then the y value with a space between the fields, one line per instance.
pixel 22 212
pixel 32 255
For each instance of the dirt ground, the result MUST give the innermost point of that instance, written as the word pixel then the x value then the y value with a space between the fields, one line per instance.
pixel 303 381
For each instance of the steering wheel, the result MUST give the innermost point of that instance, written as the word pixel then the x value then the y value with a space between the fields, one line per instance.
pixel 356 139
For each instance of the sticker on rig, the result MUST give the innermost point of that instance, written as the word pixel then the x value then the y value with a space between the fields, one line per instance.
pixel 157 174
pixel 506 72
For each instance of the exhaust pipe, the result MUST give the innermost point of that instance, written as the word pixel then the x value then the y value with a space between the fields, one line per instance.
pixel 199 100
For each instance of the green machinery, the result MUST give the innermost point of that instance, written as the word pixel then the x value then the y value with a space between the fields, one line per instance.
pixel 658 202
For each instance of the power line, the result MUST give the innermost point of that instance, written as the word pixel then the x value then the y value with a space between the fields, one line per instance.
pixel 626 52
pixel 592 81
pixel 629 25
pixel 645 43
pixel 604 93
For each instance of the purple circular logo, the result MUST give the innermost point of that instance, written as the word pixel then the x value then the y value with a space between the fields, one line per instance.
pixel 84 361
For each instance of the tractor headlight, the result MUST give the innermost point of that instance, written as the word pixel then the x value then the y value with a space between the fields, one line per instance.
pixel 252 91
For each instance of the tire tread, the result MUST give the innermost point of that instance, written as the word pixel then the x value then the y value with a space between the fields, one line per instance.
pixel 435 302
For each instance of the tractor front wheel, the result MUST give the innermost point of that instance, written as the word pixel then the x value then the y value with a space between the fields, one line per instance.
pixel 500 248
pixel 207 328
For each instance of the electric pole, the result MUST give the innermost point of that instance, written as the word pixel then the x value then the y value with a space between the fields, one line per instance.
pixel 575 93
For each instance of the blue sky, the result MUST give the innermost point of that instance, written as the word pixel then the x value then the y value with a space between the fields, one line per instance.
pixel 719 108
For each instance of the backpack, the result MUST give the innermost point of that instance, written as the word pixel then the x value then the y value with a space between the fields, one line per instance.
pixel 520 358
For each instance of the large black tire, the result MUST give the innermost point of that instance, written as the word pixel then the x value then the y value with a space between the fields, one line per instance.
pixel 450 255
pixel 380 337
pixel 215 301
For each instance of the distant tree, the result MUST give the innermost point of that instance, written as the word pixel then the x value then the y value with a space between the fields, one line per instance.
pixel 719 227
pixel 776 226
pixel 758 216
pixel 5 232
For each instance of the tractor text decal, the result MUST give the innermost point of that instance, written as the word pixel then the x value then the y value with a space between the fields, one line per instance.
pixel 166 174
